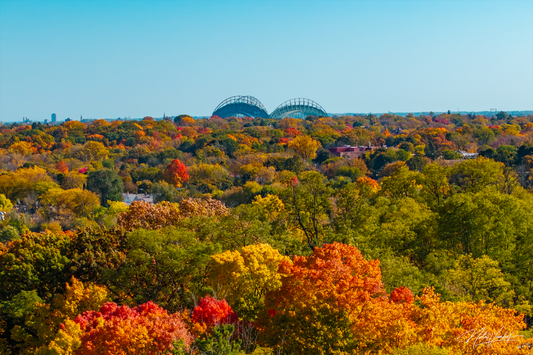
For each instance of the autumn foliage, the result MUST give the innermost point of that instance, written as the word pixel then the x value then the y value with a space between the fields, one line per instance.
pixel 244 276
pixel 402 294
pixel 212 312
pixel 146 215
pixel 191 207
pixel 141 214
pixel 116 330
pixel 337 298
pixel 318 295
pixel 369 182
pixel 304 146
pixel 62 167
pixel 268 236
pixel 176 173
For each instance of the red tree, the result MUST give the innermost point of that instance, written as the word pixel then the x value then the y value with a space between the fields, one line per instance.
pixel 402 294
pixel 212 312
pixel 176 173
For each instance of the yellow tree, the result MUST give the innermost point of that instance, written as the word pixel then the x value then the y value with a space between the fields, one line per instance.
pixel 271 205
pixel 22 148
pixel 305 146
pixel 187 121
pixel 5 204
pixel 81 202
pixel 92 150
pixel 22 182
pixel 243 277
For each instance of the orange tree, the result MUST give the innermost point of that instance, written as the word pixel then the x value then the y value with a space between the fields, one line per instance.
pixel 332 302
pixel 120 330
pixel 469 328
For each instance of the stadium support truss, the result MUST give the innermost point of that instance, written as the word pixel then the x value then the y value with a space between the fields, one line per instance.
pixel 249 106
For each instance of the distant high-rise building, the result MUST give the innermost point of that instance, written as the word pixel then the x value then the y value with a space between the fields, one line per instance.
pixel 54 117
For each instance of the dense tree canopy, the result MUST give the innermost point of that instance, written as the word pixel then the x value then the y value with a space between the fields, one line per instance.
pixel 259 236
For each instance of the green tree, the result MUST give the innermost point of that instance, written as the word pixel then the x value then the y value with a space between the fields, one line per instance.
pixel 506 154
pixel 163 191
pixel 163 266
pixel 417 163
pixel 351 172
pixel 502 115
pixel 293 164
pixel 484 223
pixel 476 174
pixel 307 203
pixel 405 226
pixel 36 261
pixel 94 252
pixel 401 183
pixel 107 184
pixel 243 226
pixel 435 185
pixel 354 217
pixel 150 173
pixel 8 233
pixel 449 154
pixel 207 177
pixel 479 279
pixel 399 271
pixel 484 135
pixel 403 155
pixel 219 342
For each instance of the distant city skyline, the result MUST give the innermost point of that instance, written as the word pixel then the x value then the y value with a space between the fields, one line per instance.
pixel 54 118
pixel 164 116
pixel 109 59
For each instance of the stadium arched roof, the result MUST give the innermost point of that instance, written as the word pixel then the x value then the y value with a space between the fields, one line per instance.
pixel 241 105
pixel 302 106
pixel 251 107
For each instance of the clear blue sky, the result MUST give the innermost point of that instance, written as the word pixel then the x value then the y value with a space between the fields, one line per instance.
pixel 108 59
